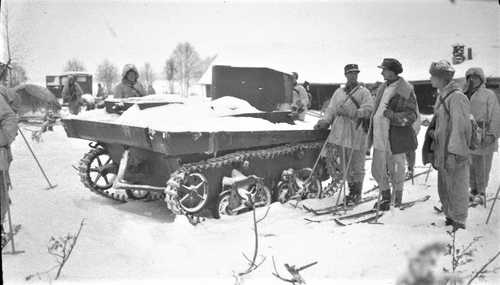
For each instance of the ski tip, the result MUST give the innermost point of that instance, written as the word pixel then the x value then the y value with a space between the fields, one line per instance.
pixel 340 223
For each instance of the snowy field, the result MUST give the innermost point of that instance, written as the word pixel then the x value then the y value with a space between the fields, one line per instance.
pixel 137 241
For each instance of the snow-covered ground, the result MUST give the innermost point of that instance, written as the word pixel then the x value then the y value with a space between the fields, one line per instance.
pixel 137 241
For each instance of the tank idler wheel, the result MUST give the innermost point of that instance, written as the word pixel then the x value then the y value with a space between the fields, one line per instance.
pixel 193 192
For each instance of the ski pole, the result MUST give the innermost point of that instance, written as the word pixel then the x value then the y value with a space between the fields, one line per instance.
pixel 428 172
pixel 308 180
pixel 484 161
pixel 11 229
pixel 36 159
pixel 345 168
pixel 492 205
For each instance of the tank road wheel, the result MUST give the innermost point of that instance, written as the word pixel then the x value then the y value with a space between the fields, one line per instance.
pixel 284 192
pixel 193 192
pixel 98 171
pixel 137 194
pixel 224 208
pixel 262 196
pixel 312 186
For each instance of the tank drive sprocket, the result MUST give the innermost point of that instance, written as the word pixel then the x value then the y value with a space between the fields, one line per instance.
pixel 97 172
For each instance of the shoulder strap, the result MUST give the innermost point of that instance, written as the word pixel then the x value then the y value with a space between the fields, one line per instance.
pixel 350 96
pixel 443 99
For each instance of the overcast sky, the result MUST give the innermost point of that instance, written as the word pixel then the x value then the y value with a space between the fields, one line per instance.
pixel 48 33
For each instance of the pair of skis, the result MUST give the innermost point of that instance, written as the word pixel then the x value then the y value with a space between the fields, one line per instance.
pixel 337 208
pixel 368 215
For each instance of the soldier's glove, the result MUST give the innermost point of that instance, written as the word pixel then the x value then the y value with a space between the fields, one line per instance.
pixel 488 139
pixel 342 111
pixel 321 125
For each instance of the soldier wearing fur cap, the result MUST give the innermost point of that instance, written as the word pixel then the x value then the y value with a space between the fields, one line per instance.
pixel 451 140
pixel 130 85
pixel 486 111
pixel 392 134
pixel 348 106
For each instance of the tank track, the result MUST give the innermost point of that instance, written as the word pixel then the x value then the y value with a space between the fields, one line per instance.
pixel 83 171
pixel 177 177
pixel 118 195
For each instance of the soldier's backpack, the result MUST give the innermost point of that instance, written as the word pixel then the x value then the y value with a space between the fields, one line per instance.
pixel 475 137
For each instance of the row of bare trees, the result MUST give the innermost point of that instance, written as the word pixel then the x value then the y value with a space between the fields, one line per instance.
pixel 183 68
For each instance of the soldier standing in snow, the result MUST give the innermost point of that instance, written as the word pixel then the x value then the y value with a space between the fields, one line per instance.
pixel 72 93
pixel 486 110
pixel 8 132
pixel 348 107
pixel 395 105
pixel 130 86
pixel 452 137
pixel 300 99
pixel 100 91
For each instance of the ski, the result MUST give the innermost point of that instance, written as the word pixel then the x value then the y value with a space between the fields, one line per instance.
pixel 367 217
pixel 409 204
pixel 7 237
pixel 340 207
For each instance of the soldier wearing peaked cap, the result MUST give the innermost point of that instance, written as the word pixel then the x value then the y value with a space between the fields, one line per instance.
pixel 349 107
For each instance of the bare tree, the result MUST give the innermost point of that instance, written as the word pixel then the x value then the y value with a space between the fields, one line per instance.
pixel 147 75
pixel 170 71
pixel 14 49
pixel 107 73
pixel 74 64
pixel 17 75
pixel 189 65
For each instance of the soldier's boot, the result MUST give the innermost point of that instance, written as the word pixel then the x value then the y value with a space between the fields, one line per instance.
pixel 398 198
pixel 385 202
pixel 479 199
pixel 472 195
pixel 354 196
pixel 409 174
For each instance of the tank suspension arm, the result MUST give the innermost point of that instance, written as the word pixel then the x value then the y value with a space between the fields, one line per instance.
pixel 126 186
pixel 119 184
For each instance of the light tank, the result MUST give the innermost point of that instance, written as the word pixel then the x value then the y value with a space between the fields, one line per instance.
pixel 205 157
